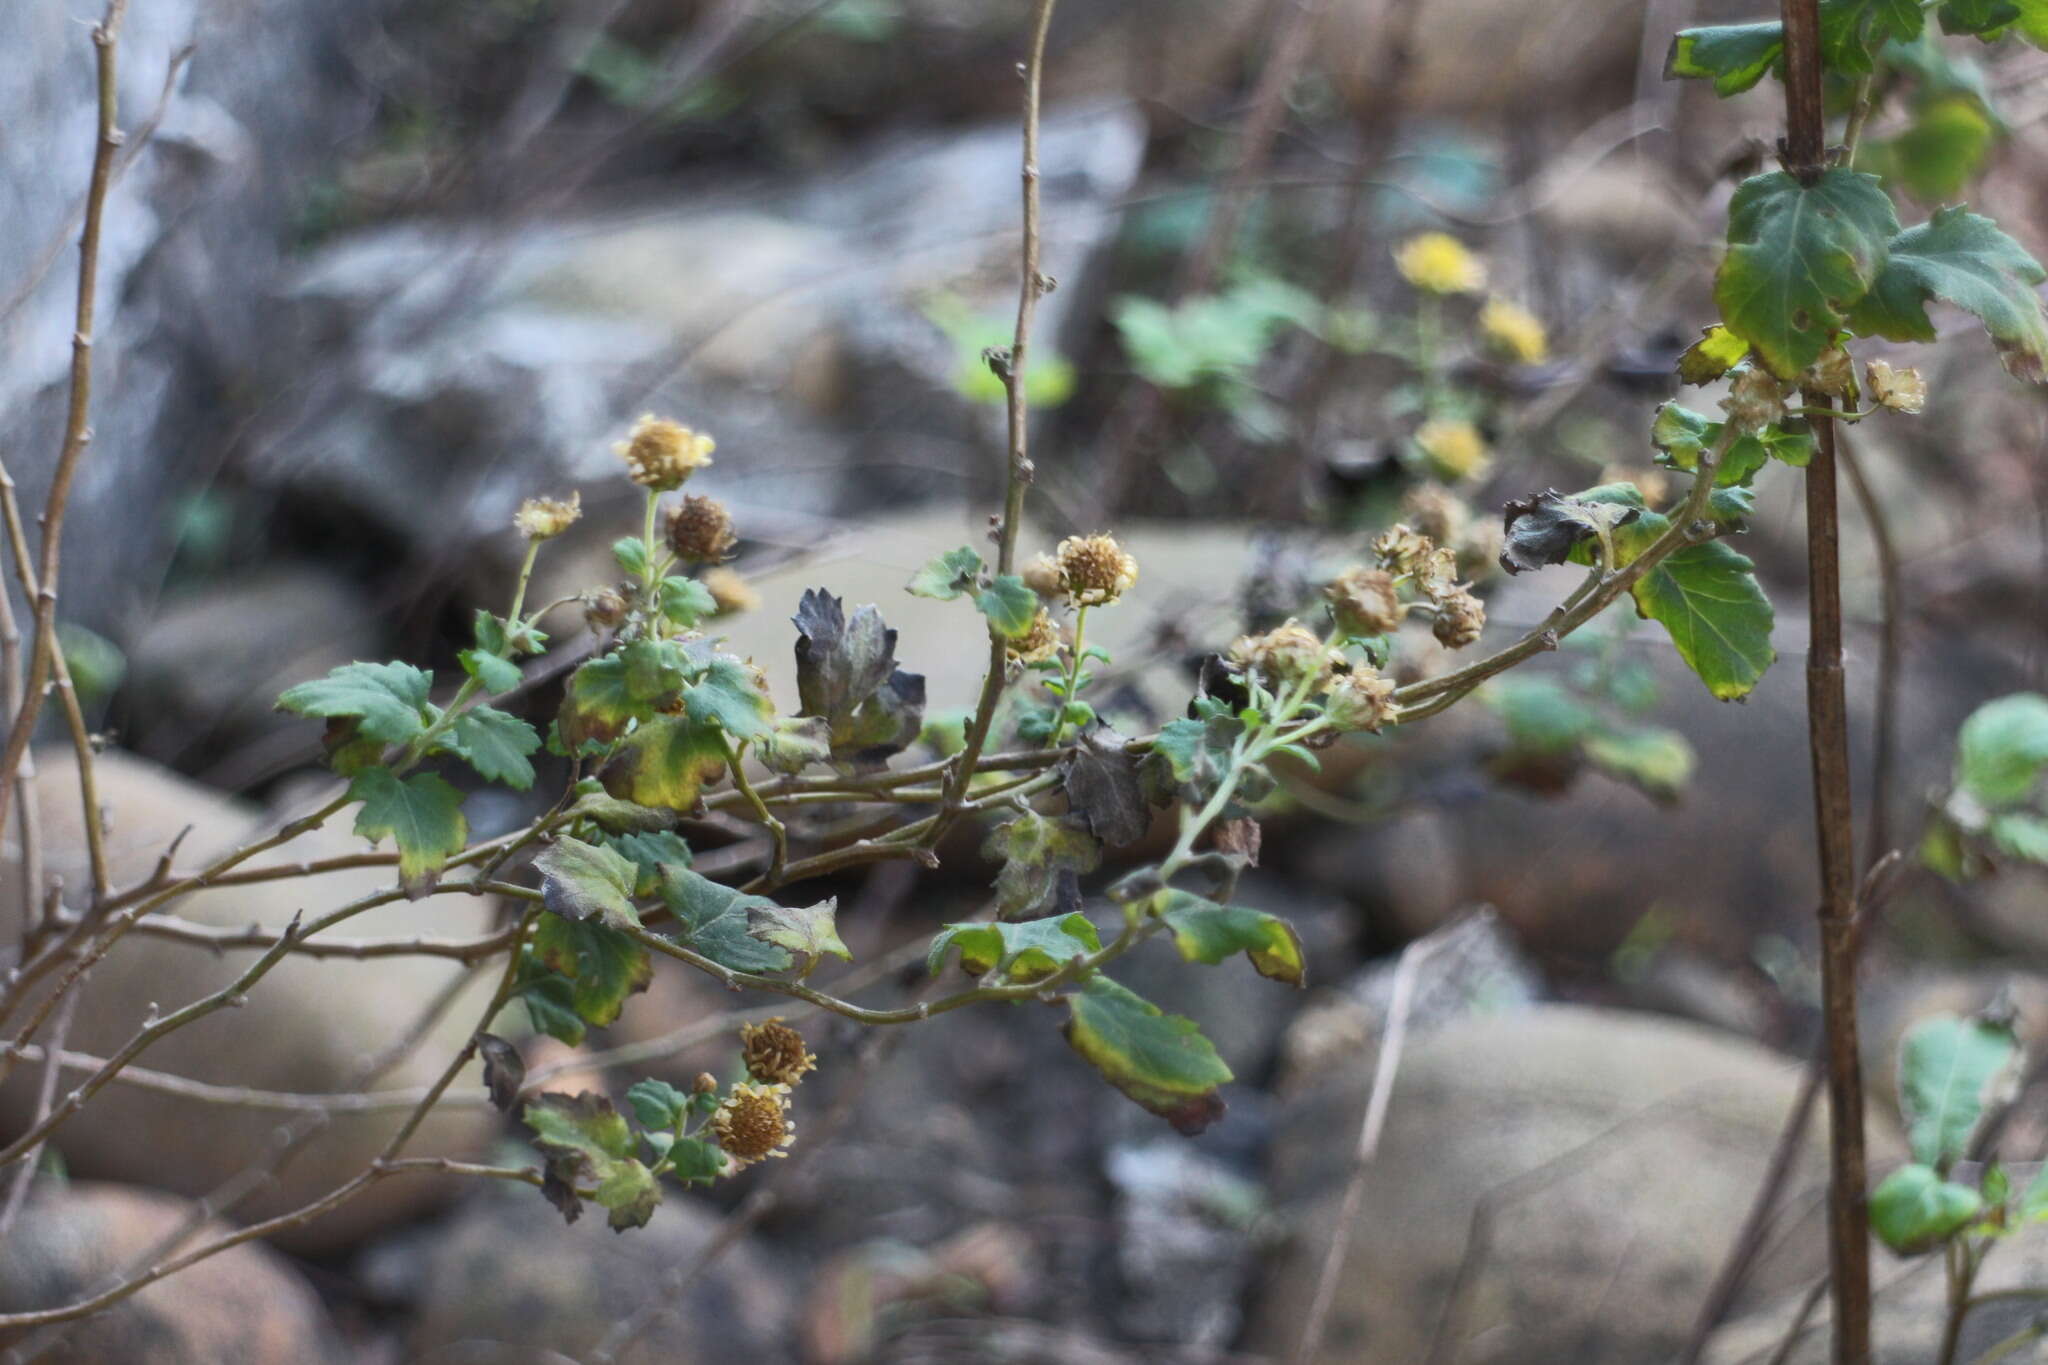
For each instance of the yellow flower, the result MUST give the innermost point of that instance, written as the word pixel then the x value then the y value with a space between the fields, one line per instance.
pixel 546 518
pixel 1438 263
pixel 1455 449
pixel 753 1123
pixel 1899 390
pixel 1515 331
pixel 661 454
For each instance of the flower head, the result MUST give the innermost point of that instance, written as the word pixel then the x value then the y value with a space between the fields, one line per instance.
pixel 661 454
pixel 700 530
pixel 1040 641
pixel 1899 390
pixel 546 518
pixel 1438 263
pixel 752 1124
pixel 1401 548
pixel 730 591
pixel 1514 331
pixel 1360 700
pixel 1284 656
pixel 1096 569
pixel 1459 618
pixel 1364 602
pixel 604 609
pixel 1755 400
pixel 1834 374
pixel 1454 448
pixel 774 1052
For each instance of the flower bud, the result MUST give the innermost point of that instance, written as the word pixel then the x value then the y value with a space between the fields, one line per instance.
pixel 705 1084
pixel 1459 618
pixel 1755 400
pixel 1401 548
pixel 730 591
pixel 1284 656
pixel 1042 575
pixel 604 609
pixel 1364 602
pixel 700 530
pixel 1834 374
pixel 1041 641
pixel 1360 700
pixel 1436 512
pixel 1455 449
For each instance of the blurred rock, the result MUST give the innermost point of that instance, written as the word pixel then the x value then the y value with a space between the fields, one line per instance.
pixel 245 1306
pixel 506 1272
pixel 1482 56
pixel 869 1293
pixel 213 663
pixel 1571 1176
pixel 309 1026
pixel 1186 1229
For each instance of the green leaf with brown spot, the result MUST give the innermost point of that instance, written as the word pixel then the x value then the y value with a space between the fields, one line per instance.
pixel 602 965
pixel 1024 951
pixel 1799 259
pixel 1160 1060
pixel 423 816
pixel 1207 932
pixel 668 762
pixel 584 1140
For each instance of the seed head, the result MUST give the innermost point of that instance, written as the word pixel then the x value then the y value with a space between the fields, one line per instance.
pixel 546 518
pixel 753 1123
pixel 1364 601
pixel 1459 618
pixel 1899 390
pixel 730 591
pixel 1401 548
pixel 1041 641
pixel 700 530
pixel 1360 700
pixel 1436 512
pixel 1455 449
pixel 1042 575
pixel 1436 574
pixel 1285 655
pixel 662 455
pixel 604 609
pixel 1438 263
pixel 774 1052
pixel 1097 570
pixel 1514 331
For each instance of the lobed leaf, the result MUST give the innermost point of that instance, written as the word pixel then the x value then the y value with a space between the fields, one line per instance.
pixel 583 1138
pixel 1040 857
pixel 847 675
pixel 496 744
pixel 582 881
pixel 1010 606
pixel 1733 56
pixel 1207 932
pixel 2002 749
pixel 668 762
pixel 1963 259
pixel 1024 951
pixel 388 701
pixel 809 931
pixel 1799 258
pixel 717 921
pixel 422 814
pixel 947 576
pixel 603 966
pixel 1914 1210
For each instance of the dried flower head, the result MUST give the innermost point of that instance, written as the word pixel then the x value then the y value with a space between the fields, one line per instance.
pixel 1436 512
pixel 1041 641
pixel 546 518
pixel 1514 331
pixel 1459 618
pixel 753 1123
pixel 700 530
pixel 1364 601
pixel 1285 656
pixel 1900 390
pixel 1834 374
pixel 604 609
pixel 1096 569
pixel 1438 263
pixel 774 1052
pixel 1454 448
pixel 1436 574
pixel 662 455
pixel 1755 400
pixel 705 1084
pixel 1401 548
pixel 730 591
pixel 1360 700
pixel 1042 575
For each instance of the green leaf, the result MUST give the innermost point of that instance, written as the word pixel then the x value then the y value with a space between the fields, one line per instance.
pixel 1036 851
pixel 1026 951
pixel 1852 31
pixel 388 700
pixel 793 743
pixel 1946 1066
pixel 727 697
pixel 1716 352
pixel 1541 714
pixel 1009 604
pixel 496 745
pixel 1682 436
pixel 611 814
pixel 422 814
pixel 550 999
pixel 2021 834
pixel 490 633
pixel 846 674
pixel 1160 1060
pixel 695 1161
pixel 657 1104
pixel 602 965
pixel 631 552
pixel 597 704
pixel 1944 147
pixel 1656 761
pixel 1980 18
pixel 494 674
pixel 809 931
pixel 1960 258
pixel 1207 932
pixel 668 762
pixel 654 671
pixel 2034 1199
pixel 1733 56
pixel 649 853
pixel 717 921
pixel 2002 749
pixel 1707 598
pixel 581 881
pixel 584 1139
pixel 1914 1210
pixel 1799 257
pixel 947 576
pixel 685 601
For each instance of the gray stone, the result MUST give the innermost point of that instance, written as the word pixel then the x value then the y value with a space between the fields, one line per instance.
pixel 245 1306
pixel 1555 1184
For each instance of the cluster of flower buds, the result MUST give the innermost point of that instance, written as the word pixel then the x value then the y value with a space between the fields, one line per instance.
pixel 1088 571
pixel 1406 553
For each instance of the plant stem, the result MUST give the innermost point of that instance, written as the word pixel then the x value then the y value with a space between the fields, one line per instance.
pixel 1827 711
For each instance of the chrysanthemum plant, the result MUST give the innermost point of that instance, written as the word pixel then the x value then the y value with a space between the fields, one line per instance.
pixel 659 723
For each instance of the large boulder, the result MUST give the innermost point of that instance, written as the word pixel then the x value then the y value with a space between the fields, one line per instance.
pixel 245 1306
pixel 309 1026
pixel 1552 1184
